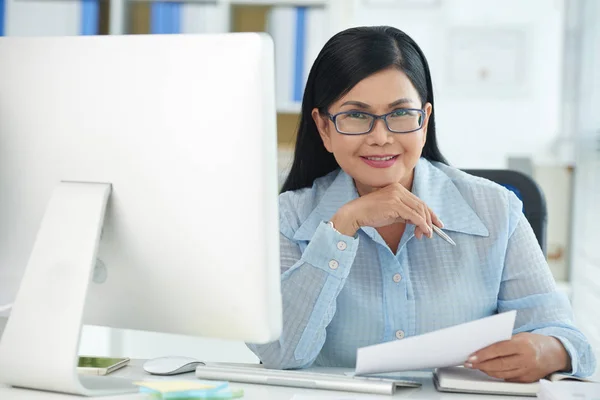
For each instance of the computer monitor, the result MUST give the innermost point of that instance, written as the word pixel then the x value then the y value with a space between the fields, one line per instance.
pixel 138 177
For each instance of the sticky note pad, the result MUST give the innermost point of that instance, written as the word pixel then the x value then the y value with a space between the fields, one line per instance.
pixel 181 389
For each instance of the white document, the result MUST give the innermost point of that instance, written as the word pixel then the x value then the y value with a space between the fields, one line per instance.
pixel 443 348
pixel 565 390
pixel 344 396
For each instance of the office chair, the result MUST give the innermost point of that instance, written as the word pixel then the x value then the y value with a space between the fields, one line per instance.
pixel 528 191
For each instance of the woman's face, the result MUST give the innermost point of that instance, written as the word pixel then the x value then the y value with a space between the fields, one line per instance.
pixel 381 157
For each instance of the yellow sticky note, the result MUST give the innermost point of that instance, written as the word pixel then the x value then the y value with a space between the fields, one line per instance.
pixel 174 386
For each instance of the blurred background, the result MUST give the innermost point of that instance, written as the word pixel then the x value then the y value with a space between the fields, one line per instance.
pixel 517 86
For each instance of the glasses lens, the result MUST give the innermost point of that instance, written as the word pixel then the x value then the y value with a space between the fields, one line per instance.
pixel 354 122
pixel 404 120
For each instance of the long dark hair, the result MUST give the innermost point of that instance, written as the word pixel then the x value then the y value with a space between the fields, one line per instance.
pixel 347 58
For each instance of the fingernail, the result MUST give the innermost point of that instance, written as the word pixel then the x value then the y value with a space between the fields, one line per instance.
pixel 468 365
pixel 441 223
pixel 472 359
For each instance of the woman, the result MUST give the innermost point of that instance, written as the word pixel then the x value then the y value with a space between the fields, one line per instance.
pixel 367 182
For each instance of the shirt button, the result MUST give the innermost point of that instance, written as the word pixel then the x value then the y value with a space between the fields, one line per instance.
pixel 333 264
pixel 397 278
pixel 400 334
pixel 341 245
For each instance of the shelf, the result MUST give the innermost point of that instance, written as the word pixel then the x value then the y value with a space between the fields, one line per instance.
pixel 183 1
pixel 309 3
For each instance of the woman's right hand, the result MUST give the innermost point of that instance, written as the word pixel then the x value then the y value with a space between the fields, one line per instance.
pixel 386 206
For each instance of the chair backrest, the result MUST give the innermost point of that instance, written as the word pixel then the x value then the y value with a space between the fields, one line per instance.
pixel 528 191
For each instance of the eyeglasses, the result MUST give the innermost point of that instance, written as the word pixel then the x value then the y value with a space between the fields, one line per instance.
pixel 401 120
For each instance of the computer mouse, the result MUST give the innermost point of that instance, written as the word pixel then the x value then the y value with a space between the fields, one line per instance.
pixel 171 365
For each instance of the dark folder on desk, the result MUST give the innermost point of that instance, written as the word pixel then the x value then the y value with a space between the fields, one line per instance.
pixel 302 379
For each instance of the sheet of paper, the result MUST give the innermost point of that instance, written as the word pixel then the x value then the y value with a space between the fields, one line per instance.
pixel 443 348
pixel 405 392
pixel 568 390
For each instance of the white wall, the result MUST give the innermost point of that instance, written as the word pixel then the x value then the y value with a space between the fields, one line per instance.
pixel 137 344
pixel 480 124
pixel 586 237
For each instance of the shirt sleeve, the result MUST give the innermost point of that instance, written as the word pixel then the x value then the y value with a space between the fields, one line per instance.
pixel 529 287
pixel 310 283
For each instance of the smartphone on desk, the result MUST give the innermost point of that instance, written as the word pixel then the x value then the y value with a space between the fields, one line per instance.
pixel 100 365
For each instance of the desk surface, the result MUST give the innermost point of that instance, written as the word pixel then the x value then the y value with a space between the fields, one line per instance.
pixel 262 392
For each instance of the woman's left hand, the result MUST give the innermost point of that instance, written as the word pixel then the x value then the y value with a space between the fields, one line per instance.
pixel 526 357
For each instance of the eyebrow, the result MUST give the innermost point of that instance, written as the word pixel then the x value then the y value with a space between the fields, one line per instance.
pixel 360 104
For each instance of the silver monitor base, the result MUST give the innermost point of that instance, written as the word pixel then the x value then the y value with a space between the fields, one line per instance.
pixel 40 344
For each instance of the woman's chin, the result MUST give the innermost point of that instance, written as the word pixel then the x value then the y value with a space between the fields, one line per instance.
pixel 373 184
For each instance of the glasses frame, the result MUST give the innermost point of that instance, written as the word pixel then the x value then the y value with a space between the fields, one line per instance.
pixel 333 118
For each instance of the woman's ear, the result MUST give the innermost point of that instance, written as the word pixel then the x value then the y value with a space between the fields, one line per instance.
pixel 428 108
pixel 322 124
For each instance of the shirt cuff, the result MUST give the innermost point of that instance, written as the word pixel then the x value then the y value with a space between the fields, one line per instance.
pixel 571 351
pixel 572 354
pixel 331 251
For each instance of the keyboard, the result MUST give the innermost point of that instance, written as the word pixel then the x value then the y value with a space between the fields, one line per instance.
pixel 302 379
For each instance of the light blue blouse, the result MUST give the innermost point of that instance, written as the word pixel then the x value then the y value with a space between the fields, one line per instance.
pixel 341 293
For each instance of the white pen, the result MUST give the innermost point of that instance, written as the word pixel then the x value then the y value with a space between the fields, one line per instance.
pixel 443 235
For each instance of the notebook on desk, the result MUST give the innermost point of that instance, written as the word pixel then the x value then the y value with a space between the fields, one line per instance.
pixel 303 379
pixel 463 380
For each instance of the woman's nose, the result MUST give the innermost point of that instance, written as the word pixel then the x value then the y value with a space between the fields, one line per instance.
pixel 380 134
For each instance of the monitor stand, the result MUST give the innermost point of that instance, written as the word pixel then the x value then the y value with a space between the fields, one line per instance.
pixel 40 344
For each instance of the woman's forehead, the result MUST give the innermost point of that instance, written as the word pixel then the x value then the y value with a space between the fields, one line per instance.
pixel 381 89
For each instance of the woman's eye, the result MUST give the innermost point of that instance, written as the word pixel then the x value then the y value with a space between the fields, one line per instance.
pixel 400 113
pixel 357 115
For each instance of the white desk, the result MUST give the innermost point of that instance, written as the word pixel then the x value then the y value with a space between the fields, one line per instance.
pixel 260 392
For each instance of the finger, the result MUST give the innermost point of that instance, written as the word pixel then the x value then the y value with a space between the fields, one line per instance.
pixel 417 210
pixel 418 233
pixel 417 203
pixel 507 375
pixel 410 215
pixel 500 364
pixel 499 349
pixel 413 202
pixel 435 219
pixel 429 223
pixel 400 220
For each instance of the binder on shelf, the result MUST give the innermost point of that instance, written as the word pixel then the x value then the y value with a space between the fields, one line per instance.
pixel 202 18
pixel 281 27
pixel 138 18
pixel 165 17
pixel 299 33
pixel 90 16
pixel 317 31
pixel 2 5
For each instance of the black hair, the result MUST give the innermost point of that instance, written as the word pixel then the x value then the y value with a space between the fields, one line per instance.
pixel 346 59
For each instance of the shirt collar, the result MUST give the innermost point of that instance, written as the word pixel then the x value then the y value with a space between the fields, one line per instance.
pixel 438 191
pixel 340 192
pixel 430 184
